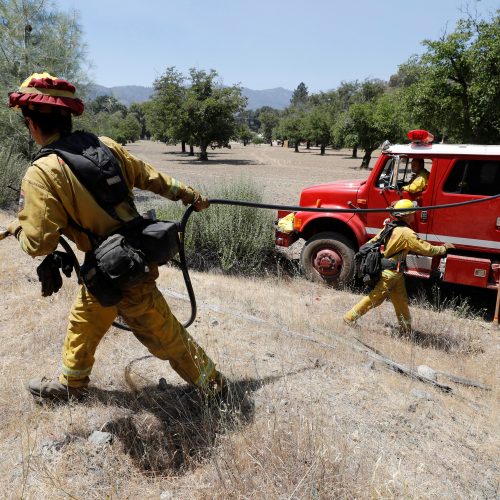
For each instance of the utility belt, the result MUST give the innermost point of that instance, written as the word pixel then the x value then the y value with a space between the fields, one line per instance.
pixel 393 265
pixel 122 259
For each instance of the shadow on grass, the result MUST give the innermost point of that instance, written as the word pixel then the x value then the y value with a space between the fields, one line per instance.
pixel 442 341
pixel 217 161
pixel 167 429
pixel 211 153
pixel 178 153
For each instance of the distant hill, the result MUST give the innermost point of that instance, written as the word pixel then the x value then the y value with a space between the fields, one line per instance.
pixel 278 98
pixel 126 94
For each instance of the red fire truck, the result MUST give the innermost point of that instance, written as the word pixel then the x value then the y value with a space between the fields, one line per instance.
pixel 458 173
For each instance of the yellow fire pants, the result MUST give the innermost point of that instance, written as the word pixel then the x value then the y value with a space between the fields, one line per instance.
pixel 147 313
pixel 391 285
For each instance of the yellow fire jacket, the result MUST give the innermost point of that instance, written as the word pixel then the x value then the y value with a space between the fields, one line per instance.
pixel 52 196
pixel 418 183
pixel 404 240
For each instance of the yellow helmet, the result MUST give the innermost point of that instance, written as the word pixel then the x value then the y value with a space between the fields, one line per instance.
pixel 404 205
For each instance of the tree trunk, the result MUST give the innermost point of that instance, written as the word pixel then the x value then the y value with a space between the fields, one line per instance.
pixel 203 152
pixel 297 147
pixel 366 158
pixel 354 152
pixel 468 135
pixel 323 147
pixel 191 150
pixel 183 146
pixel 467 124
pixel 308 145
pixel 271 143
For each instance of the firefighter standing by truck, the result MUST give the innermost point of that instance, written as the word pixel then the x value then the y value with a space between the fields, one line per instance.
pixel 391 283
pixel 54 202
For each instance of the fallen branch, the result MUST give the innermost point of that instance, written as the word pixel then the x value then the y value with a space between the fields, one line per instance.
pixel 377 355
pixel 465 381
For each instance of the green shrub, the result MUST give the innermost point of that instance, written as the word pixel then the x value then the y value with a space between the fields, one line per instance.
pixel 12 169
pixel 232 239
pixel 257 139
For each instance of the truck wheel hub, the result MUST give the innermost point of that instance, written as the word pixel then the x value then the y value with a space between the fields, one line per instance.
pixel 327 262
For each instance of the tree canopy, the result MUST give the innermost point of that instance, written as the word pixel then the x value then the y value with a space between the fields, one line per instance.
pixel 196 109
pixel 300 95
pixel 269 119
pixel 34 36
pixel 454 87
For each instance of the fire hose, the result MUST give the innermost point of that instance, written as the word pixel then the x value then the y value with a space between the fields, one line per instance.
pixel 187 214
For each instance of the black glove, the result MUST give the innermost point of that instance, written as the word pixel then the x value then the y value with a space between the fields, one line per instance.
pixel 48 272
pixel 65 262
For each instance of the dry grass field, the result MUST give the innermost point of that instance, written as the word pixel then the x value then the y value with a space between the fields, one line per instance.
pixel 280 172
pixel 312 414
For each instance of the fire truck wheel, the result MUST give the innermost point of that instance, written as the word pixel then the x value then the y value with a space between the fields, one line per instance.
pixel 329 258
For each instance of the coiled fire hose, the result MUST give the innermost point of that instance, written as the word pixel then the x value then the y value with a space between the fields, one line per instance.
pixel 187 214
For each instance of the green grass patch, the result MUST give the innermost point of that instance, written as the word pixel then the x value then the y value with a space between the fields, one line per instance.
pixel 12 168
pixel 231 239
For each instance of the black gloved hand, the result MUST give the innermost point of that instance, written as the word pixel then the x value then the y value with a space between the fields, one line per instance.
pixel 65 262
pixel 48 272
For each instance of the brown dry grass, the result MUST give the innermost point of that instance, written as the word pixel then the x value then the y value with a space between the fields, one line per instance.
pixel 318 420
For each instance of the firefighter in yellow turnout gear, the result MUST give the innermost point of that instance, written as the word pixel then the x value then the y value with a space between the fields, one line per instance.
pixel 419 179
pixel 391 284
pixel 54 202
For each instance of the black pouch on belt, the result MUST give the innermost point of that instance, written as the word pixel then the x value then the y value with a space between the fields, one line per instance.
pixel 99 285
pixel 120 262
pixel 111 267
pixel 159 241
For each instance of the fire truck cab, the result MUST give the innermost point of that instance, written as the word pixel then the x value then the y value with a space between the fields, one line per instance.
pixel 457 173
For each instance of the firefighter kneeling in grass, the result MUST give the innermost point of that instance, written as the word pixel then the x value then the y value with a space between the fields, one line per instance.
pixel 61 195
pixel 391 283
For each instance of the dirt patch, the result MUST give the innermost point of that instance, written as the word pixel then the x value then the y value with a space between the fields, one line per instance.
pixel 281 172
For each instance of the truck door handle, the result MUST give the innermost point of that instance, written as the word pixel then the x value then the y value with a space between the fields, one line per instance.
pixel 424 215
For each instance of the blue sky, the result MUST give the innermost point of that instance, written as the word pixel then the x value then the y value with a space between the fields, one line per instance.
pixel 261 44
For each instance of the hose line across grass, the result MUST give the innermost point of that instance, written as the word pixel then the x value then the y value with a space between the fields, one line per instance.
pixel 187 214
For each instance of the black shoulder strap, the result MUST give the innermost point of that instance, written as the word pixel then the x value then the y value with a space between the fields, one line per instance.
pixel 94 165
pixel 387 232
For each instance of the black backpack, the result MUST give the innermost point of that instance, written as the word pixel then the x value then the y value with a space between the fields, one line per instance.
pixel 368 260
pixel 94 165
pixel 122 258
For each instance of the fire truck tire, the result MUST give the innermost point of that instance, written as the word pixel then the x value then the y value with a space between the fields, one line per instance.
pixel 329 258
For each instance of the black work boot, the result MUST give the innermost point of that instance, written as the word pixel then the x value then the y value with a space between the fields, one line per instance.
pixel 216 389
pixel 214 392
pixel 45 388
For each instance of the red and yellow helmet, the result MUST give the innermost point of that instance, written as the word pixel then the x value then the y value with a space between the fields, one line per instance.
pixel 42 90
